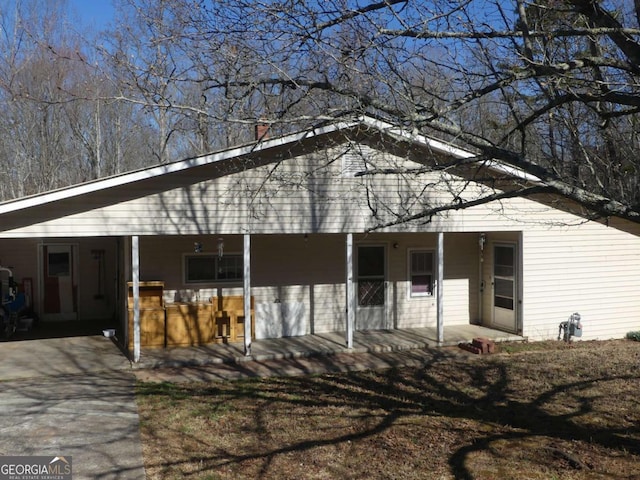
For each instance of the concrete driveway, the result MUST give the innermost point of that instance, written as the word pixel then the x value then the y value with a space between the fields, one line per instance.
pixel 60 356
pixel 71 397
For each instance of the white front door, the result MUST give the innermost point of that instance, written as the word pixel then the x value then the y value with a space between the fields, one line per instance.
pixel 504 287
pixel 371 278
pixel 59 282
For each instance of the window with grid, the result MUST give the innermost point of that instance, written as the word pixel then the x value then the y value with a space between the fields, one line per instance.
pixel 212 268
pixel 421 272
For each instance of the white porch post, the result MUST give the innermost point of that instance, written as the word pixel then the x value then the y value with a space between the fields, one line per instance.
pixel 135 274
pixel 439 291
pixel 351 292
pixel 247 294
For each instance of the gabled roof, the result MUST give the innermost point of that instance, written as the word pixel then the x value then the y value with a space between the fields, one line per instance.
pixel 158 178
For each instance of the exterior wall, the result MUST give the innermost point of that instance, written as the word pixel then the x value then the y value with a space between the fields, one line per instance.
pixel 97 284
pixel 589 269
pixel 461 263
pixel 461 279
pixel 297 282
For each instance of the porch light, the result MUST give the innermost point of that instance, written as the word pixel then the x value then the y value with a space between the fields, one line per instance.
pixel 197 247
pixel 220 247
pixel 482 240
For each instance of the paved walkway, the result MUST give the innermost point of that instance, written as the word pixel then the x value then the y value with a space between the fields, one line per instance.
pixel 91 417
pixel 75 396
pixel 306 365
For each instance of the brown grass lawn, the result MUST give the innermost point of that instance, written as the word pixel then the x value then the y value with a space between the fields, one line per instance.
pixel 541 411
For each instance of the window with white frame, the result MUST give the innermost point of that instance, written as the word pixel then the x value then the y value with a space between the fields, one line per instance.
pixel 206 268
pixel 421 272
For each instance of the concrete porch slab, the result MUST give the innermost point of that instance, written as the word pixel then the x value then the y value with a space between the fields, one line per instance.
pixel 375 341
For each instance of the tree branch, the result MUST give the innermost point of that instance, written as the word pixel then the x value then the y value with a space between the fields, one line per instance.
pixel 489 34
pixel 461 205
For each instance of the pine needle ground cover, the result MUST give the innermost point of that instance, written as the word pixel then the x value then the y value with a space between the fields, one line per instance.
pixel 534 411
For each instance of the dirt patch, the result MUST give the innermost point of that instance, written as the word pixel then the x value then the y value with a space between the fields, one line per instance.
pixel 552 411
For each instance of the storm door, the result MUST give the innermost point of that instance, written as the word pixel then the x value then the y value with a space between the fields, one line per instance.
pixel 504 287
pixel 371 278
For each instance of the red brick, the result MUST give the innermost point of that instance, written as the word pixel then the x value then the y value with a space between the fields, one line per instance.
pixel 486 345
pixel 470 348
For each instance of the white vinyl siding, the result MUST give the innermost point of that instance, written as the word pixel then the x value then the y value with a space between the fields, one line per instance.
pixel 460 286
pixel 300 195
pixel 296 281
pixel 308 293
pixel 591 269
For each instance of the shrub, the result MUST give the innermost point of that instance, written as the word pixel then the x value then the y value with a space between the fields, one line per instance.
pixel 634 336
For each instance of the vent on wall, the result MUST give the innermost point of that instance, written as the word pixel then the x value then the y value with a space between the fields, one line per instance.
pixel 353 162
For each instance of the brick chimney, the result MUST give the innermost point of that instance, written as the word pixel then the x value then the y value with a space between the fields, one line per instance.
pixel 261 131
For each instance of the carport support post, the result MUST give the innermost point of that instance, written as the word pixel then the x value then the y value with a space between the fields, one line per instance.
pixel 135 273
pixel 351 292
pixel 247 294
pixel 439 291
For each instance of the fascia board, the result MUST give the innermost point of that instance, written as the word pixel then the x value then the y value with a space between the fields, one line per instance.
pixel 420 139
pixel 447 149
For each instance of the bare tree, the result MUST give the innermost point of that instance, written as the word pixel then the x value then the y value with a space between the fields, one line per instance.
pixel 63 119
pixel 547 86
pixel 34 144
pixel 554 82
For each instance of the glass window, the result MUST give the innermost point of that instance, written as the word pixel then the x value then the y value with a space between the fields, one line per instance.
pixel 421 272
pixel 211 268
pixel 230 267
pixel 504 281
pixel 59 264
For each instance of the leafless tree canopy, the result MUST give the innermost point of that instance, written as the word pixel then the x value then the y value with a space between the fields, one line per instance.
pixel 548 86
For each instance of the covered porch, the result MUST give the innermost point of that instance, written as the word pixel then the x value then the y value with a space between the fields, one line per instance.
pixel 385 304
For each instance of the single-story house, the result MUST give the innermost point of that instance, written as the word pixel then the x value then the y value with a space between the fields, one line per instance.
pixel 287 231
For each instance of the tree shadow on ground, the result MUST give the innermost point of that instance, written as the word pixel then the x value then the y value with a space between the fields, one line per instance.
pixel 544 402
